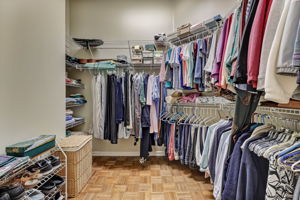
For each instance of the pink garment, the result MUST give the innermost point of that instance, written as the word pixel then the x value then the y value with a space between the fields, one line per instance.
pixel 222 83
pixel 171 148
pixel 153 112
pixel 219 53
pixel 191 98
pixel 256 40
pixel 162 73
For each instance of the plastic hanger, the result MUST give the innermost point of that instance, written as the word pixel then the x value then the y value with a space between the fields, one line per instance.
pixel 293 167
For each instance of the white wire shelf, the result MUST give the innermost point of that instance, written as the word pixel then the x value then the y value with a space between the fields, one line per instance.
pixel 51 195
pixel 125 66
pixel 45 179
pixel 75 85
pixel 76 123
pixel 74 105
pixel 277 110
pixel 16 172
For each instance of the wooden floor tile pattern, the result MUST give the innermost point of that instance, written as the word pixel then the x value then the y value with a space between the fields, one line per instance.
pixel 123 178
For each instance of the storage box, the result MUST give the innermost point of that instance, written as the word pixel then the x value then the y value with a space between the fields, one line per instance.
pixel 32 146
pixel 150 47
pixel 183 30
pixel 136 61
pixel 148 60
pixel 147 54
pixel 78 149
pixel 158 60
pixel 136 56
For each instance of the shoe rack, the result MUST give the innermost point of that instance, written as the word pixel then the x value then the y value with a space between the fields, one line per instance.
pixel 15 175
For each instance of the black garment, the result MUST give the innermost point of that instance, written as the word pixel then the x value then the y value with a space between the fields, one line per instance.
pixel 245 106
pixel 126 100
pixel 241 73
pixel 145 143
pixel 119 101
pixel 110 126
pixel 160 140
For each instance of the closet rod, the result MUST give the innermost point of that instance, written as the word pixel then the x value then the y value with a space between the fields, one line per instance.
pixel 277 110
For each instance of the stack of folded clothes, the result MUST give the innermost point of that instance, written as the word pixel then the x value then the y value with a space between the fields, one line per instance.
pixel 75 99
pixel 73 81
pixel 212 100
pixel 72 60
pixel 70 119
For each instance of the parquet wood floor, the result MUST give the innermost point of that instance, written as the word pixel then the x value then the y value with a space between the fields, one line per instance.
pixel 123 178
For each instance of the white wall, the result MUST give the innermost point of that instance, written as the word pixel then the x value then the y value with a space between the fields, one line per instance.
pixel 32 42
pixel 195 11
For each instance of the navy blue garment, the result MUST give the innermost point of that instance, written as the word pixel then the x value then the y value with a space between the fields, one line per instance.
pixel 167 135
pixel 145 117
pixel 119 101
pixel 180 140
pixel 183 143
pixel 214 149
pixel 126 100
pixel 188 146
pixel 230 185
pixel 253 176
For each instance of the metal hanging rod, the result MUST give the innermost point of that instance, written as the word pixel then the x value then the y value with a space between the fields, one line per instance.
pixel 276 110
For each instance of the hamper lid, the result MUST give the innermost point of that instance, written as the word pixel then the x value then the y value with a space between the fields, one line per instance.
pixel 74 142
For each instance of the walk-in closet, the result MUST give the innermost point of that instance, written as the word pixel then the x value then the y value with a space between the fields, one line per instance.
pixel 150 100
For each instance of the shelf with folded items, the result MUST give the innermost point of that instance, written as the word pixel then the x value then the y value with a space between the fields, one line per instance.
pixel 73 65
pixel 144 65
pixel 75 85
pixel 76 123
pixel 74 105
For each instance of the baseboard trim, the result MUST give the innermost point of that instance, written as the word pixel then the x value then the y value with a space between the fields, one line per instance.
pixel 106 153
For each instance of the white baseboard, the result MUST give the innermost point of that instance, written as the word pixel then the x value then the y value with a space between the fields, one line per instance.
pixel 106 153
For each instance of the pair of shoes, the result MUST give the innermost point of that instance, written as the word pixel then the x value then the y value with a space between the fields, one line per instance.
pixel 51 185
pixel 30 180
pixel 34 194
pixel 58 196
pixel 45 166
pixel 54 161
pixel 12 192
pixel 143 160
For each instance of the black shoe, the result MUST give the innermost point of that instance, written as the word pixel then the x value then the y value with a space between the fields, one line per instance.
pixel 15 192
pixel 55 161
pixel 58 196
pixel 57 180
pixel 43 165
pixel 48 187
pixel 5 196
